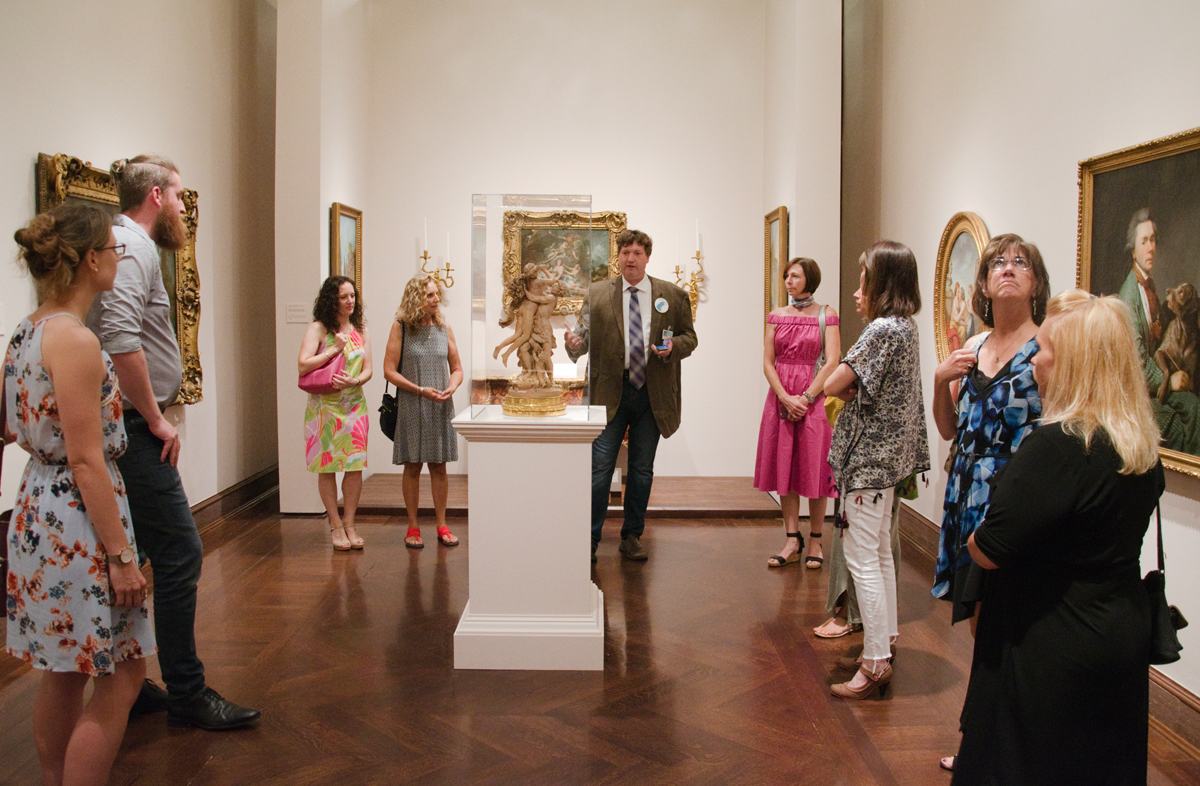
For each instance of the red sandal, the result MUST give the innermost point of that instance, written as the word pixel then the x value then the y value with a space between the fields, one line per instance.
pixel 444 535
pixel 413 532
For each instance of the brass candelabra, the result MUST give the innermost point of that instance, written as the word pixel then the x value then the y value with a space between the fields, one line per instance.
pixel 692 287
pixel 447 280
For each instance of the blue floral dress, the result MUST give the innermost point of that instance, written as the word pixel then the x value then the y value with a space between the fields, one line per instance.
pixel 994 417
pixel 60 612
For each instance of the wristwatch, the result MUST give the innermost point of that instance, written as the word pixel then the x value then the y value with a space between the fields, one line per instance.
pixel 811 399
pixel 125 556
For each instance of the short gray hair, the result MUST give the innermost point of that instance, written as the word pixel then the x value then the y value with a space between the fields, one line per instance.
pixel 1139 217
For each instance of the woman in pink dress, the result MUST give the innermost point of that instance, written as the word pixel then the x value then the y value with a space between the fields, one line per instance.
pixel 793 440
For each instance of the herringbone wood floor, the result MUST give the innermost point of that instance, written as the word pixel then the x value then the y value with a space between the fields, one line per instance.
pixel 711 674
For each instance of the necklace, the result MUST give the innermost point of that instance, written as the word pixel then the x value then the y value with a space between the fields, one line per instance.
pixel 1009 344
pixel 801 303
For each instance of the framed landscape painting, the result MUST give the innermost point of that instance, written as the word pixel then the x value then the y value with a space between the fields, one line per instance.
pixel 775 258
pixel 954 323
pixel 1139 239
pixel 574 248
pixel 345 243
pixel 63 179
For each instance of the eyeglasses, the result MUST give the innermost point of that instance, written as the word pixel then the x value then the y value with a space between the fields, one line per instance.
pixel 1018 263
pixel 119 248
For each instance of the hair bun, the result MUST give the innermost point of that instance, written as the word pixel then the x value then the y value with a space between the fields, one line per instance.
pixel 118 167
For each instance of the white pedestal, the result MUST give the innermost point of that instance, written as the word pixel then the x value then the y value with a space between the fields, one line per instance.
pixel 532 603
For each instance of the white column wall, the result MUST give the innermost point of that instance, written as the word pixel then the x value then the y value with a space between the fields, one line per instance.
pixel 989 107
pixel 802 150
pixel 192 81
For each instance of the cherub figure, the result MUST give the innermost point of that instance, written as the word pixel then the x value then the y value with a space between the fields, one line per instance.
pixel 532 301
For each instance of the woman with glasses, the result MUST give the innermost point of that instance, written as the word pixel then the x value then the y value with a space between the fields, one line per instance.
pixel 986 401
pixel 76 596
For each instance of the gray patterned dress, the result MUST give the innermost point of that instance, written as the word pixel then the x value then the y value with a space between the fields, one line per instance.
pixel 423 430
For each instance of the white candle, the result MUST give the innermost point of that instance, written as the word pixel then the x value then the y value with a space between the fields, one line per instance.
pixel 697 236
pixel 447 247
pixel 425 247
pixel 677 260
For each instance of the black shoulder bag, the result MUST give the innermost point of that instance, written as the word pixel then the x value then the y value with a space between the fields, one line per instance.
pixel 1165 619
pixel 387 408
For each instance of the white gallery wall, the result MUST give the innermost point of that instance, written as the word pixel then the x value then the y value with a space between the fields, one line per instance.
pixel 989 107
pixel 657 110
pixel 192 80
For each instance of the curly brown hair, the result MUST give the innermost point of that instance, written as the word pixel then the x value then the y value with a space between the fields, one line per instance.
pixel 54 244
pixel 412 302
pixel 325 307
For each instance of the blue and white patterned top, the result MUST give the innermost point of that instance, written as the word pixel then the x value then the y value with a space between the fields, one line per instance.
pixel 993 420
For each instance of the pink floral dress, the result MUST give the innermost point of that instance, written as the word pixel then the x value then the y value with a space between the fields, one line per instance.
pixel 335 424
pixel 60 612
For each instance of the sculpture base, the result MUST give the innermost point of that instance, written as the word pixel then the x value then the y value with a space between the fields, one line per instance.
pixel 540 403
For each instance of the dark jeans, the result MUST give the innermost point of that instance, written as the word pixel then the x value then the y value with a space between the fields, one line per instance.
pixel 166 533
pixel 634 412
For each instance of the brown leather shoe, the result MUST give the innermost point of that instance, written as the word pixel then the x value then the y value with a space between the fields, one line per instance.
pixel 632 548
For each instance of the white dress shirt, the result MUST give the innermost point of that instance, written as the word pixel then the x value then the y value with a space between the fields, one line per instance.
pixel 644 301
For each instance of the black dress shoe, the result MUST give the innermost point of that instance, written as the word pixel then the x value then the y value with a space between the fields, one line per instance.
pixel 209 711
pixel 151 698
pixel 632 548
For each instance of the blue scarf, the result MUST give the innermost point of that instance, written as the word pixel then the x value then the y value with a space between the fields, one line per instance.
pixel 802 303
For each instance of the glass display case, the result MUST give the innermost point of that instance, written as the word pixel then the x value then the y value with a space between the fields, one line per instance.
pixel 532 260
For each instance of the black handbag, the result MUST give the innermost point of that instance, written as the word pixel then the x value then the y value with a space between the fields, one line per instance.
pixel 387 408
pixel 1165 619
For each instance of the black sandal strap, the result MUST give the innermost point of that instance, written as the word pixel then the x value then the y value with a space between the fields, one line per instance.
pixel 814 535
pixel 794 535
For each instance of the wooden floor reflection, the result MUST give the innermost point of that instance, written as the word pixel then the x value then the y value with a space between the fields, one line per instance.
pixel 711 674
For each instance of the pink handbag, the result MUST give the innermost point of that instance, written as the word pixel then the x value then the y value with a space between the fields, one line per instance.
pixel 319 381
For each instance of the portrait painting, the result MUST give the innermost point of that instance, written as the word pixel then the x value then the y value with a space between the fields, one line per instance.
pixel 962 242
pixel 63 179
pixel 573 248
pixel 345 243
pixel 1139 239
pixel 775 258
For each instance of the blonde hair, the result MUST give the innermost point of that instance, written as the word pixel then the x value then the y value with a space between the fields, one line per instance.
pixel 1096 381
pixel 412 302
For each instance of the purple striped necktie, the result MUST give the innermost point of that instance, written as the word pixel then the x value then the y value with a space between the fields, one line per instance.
pixel 637 347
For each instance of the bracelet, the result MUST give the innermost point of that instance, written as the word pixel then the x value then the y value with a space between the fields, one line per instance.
pixel 811 398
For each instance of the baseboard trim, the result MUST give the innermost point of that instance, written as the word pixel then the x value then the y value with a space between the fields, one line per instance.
pixel 1174 710
pixel 209 512
pixel 919 531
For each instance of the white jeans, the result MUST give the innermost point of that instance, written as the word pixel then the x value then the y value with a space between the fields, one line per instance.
pixel 868 549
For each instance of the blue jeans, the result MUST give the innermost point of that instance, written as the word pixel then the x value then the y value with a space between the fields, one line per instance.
pixel 166 533
pixel 634 413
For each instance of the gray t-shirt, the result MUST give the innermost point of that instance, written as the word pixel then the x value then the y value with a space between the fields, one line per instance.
pixel 136 314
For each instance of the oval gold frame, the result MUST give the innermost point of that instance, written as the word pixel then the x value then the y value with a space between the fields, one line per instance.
pixel 959 223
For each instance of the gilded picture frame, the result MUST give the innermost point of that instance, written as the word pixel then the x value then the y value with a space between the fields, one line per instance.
pixel 345 243
pixel 573 247
pixel 954 323
pixel 1116 240
pixel 63 179
pixel 775 258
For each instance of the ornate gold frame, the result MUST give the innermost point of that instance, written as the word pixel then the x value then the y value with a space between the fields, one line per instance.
pixel 773 268
pixel 958 224
pixel 61 177
pixel 1183 142
pixel 516 220
pixel 335 241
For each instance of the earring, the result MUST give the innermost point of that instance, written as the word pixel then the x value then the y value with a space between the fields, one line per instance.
pixel 987 311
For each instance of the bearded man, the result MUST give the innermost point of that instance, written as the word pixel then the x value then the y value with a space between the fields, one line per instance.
pixel 133 322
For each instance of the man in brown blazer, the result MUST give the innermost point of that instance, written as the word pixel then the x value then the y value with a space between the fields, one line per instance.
pixel 638 329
